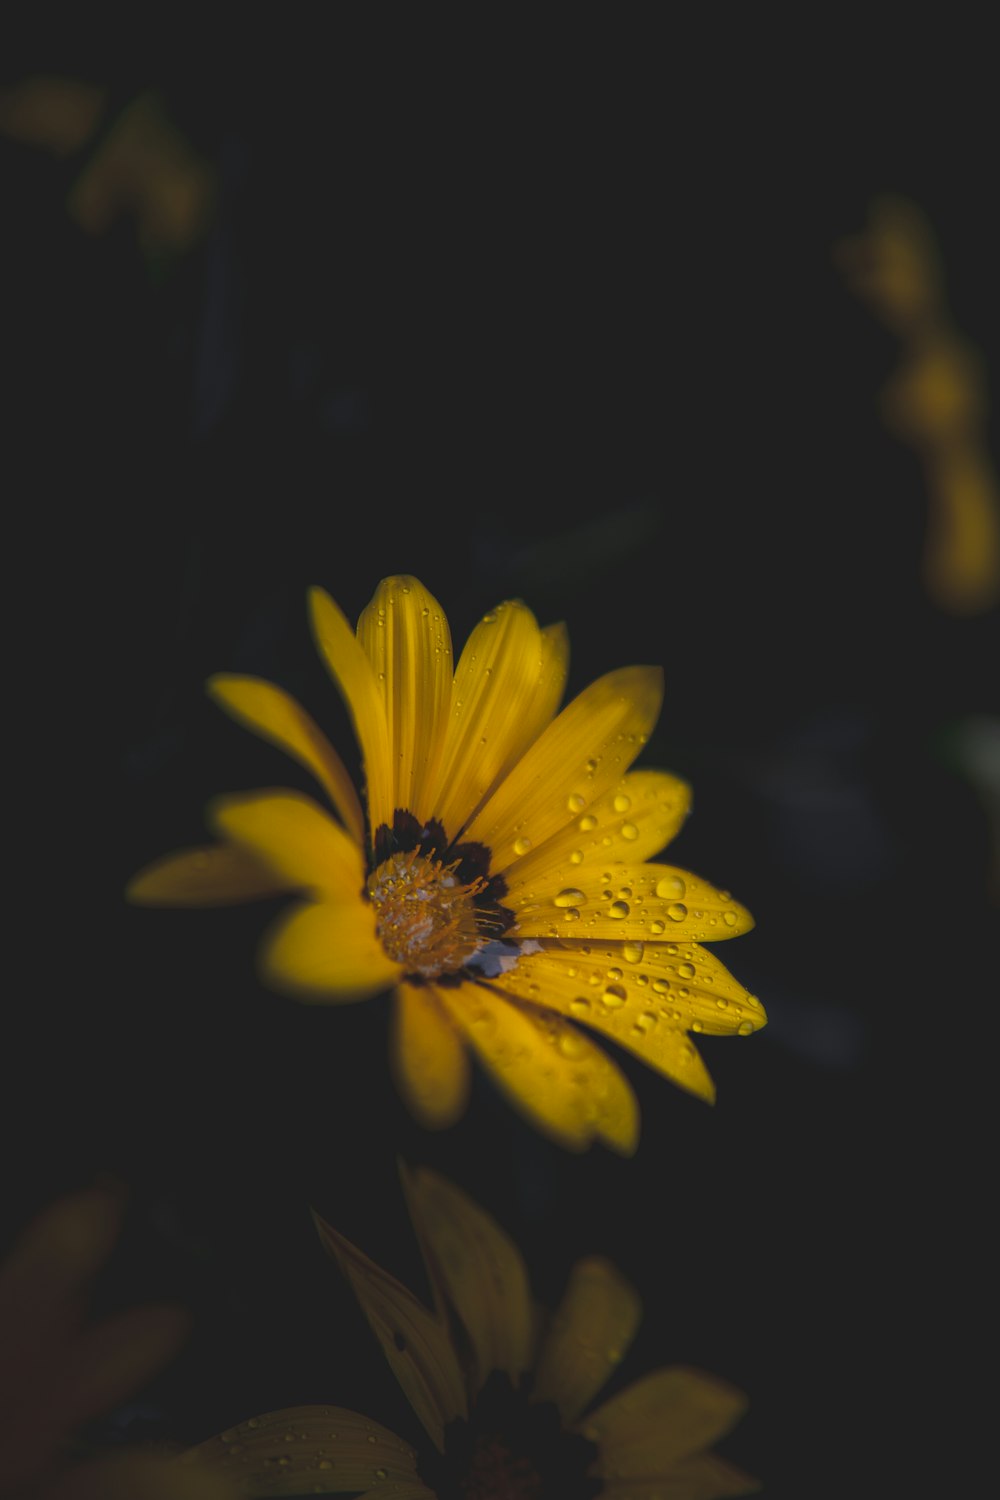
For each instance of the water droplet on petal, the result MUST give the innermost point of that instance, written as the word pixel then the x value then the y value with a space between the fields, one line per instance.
pixel 632 952
pixel 569 897
pixel 522 845
pixel 677 912
pixel 618 910
pixel 629 831
pixel 622 803
pixel 686 971
pixel 746 1027
pixel 576 858
pixel 587 823
pixel 656 927
pixel 575 802
pixel 670 888
pixel 729 917
pixel 614 996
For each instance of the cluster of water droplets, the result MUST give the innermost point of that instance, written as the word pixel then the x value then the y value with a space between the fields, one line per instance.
pixel 602 811
pixel 632 987
pixel 309 1453
pixel 651 898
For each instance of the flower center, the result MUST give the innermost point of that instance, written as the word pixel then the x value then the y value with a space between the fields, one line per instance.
pixel 425 916
pixel 510 1448
pixel 494 1473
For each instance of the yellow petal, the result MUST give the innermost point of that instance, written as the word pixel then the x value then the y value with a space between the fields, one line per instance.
pixel 583 752
pixel 215 875
pixel 322 1450
pixel 404 633
pixel 681 984
pixel 115 1359
pixel 666 1416
pixel 589 1334
pixel 429 1059
pixel 630 822
pixel 59 1251
pixel 355 680
pixel 413 1489
pixel 76 1371
pixel 704 1477
pixel 635 903
pixel 140 1476
pixel 273 714
pixel 551 681
pixel 292 836
pixel 476 1269
pixel 597 995
pixel 413 1340
pixel 496 682
pixel 327 953
pixel 555 1075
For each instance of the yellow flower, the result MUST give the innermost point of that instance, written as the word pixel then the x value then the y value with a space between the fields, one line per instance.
pixel 59 1369
pixel 504 1392
pixel 500 882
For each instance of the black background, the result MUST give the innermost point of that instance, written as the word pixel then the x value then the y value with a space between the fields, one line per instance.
pixel 549 312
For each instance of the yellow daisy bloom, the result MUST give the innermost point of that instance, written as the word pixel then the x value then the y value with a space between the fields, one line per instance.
pixel 504 1392
pixel 501 880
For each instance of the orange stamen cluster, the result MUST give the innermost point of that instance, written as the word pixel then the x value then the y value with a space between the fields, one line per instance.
pixel 426 919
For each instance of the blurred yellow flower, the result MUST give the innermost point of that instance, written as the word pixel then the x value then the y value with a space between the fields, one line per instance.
pixel 55 113
pixel 501 883
pixel 936 402
pixel 147 170
pixel 504 1392
pixel 142 168
pixel 58 1370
